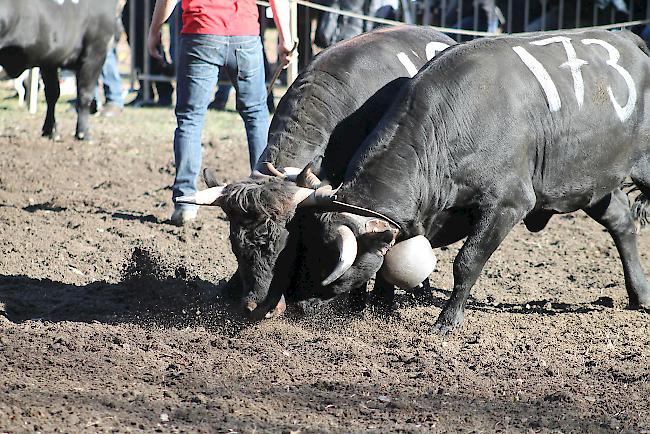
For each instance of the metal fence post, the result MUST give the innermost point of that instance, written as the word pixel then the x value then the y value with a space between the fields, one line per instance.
pixel 292 70
pixel 146 92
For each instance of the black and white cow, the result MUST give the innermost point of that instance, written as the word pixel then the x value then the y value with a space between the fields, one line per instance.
pixel 72 34
pixel 491 133
pixel 322 119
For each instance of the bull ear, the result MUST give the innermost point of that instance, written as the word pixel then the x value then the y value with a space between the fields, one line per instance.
pixel 210 177
pixel 307 178
pixel 378 225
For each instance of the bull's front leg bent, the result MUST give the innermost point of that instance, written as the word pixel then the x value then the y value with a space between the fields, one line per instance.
pixel 493 226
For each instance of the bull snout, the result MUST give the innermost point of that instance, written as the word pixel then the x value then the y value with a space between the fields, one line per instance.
pixel 249 306
pixel 256 311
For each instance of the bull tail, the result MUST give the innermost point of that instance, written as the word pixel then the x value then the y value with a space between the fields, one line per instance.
pixel 640 208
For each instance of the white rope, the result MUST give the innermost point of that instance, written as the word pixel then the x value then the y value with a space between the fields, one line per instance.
pixel 443 29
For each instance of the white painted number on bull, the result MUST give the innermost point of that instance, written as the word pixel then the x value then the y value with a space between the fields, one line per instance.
pixel 434 48
pixel 431 50
pixel 540 73
pixel 410 67
pixel 574 64
pixel 614 56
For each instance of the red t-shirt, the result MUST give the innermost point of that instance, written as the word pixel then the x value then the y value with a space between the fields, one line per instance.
pixel 220 17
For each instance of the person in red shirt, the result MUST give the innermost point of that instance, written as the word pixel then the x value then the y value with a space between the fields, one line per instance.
pixel 217 33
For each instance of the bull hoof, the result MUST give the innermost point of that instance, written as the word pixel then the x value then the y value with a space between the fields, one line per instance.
pixel 447 323
pixel 52 135
pixel 86 137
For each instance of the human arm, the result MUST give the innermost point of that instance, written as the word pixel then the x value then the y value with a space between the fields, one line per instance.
pixel 281 16
pixel 161 13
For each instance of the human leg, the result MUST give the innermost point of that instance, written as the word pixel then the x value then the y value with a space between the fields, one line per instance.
pixel 111 79
pixel 199 57
pixel 245 65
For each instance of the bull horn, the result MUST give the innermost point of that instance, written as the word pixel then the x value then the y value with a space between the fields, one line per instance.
pixel 304 197
pixel 271 170
pixel 347 244
pixel 307 178
pixel 291 173
pixel 210 177
pixel 210 196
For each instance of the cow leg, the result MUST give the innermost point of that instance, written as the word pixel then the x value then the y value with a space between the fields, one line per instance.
pixel 52 92
pixel 493 225
pixel 614 214
pixel 383 294
pixel 87 76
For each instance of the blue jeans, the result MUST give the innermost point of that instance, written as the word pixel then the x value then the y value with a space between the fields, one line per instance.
pixel 111 80
pixel 199 60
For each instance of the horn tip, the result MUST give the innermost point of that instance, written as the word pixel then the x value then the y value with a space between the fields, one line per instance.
pixel 185 199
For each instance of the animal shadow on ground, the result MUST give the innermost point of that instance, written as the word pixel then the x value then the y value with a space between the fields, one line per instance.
pixel 148 293
pixel 431 296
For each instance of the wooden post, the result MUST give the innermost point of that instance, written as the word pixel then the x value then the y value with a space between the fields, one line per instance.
pixel 292 70
pixel 32 89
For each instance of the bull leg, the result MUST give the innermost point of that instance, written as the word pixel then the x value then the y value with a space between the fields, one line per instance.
pixel 614 214
pixel 383 294
pixel 493 225
pixel 87 76
pixel 52 92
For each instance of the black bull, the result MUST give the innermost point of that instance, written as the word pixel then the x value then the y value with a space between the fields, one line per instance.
pixel 72 34
pixel 494 132
pixel 322 119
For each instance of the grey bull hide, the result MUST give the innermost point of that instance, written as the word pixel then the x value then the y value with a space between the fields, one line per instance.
pixel 488 134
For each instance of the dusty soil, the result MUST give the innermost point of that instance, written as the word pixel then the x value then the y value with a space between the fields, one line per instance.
pixel 111 319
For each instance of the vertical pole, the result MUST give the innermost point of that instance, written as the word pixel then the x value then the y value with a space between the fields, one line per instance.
pixel 526 14
pixel 544 15
pixel 509 17
pixel 459 17
pixel 443 13
pixel 578 13
pixel 134 73
pixel 560 18
pixel 146 92
pixel 292 70
pixel 426 17
pixel 33 89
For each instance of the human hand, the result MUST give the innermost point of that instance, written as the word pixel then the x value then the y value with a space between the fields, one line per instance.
pixel 153 42
pixel 287 52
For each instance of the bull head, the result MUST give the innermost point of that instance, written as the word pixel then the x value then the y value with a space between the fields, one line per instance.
pixel 259 210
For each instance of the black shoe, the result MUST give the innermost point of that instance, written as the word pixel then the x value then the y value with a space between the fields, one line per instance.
pixel 138 101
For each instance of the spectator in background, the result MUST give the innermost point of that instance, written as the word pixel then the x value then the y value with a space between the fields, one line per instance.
pixel 157 66
pixel 112 84
pixel 217 34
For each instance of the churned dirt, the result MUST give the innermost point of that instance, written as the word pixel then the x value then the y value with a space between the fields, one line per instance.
pixel 112 320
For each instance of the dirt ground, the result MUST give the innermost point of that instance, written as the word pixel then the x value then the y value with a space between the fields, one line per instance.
pixel 111 319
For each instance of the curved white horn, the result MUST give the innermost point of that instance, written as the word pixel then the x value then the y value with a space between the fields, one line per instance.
pixel 291 173
pixel 270 168
pixel 209 196
pixel 347 243
pixel 310 197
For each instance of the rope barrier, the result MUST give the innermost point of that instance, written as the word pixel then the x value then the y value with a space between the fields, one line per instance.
pixel 443 29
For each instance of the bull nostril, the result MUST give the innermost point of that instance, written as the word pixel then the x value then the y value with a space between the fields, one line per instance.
pixel 250 306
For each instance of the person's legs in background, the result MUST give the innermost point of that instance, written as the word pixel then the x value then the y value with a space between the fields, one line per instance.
pixel 199 58
pixel 245 65
pixel 112 84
